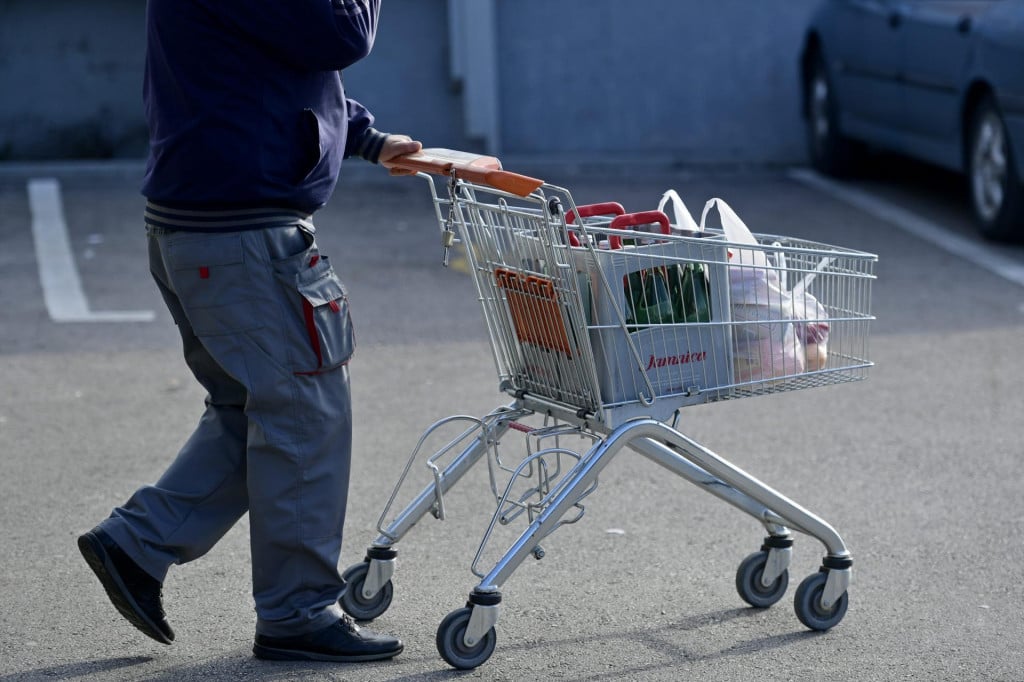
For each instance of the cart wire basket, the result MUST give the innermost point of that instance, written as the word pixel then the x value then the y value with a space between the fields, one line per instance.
pixel 603 326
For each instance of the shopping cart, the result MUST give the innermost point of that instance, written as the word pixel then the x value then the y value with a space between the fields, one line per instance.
pixel 603 325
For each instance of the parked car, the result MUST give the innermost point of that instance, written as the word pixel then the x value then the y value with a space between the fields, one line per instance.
pixel 937 80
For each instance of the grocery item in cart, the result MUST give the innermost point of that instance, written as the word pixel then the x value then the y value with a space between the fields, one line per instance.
pixel 673 294
pixel 812 327
pixel 812 323
pixel 691 293
pixel 648 299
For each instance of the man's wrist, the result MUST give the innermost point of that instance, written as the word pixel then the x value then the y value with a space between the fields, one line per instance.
pixel 371 144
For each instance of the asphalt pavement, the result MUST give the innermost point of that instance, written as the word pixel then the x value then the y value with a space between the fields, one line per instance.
pixel 919 467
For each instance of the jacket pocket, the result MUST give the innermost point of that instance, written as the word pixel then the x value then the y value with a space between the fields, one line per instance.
pixel 312 145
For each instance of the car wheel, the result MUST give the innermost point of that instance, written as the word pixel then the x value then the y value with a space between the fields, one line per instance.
pixel 830 151
pixel 997 195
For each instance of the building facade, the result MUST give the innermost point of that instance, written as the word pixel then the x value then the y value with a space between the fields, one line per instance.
pixel 666 81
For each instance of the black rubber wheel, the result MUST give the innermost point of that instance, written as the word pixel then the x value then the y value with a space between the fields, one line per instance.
pixel 352 600
pixel 807 604
pixel 748 582
pixel 453 649
pixel 830 151
pixel 997 195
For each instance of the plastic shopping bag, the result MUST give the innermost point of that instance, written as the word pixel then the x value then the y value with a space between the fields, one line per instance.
pixel 683 221
pixel 765 340
pixel 779 332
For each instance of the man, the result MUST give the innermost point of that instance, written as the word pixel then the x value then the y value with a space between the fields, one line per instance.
pixel 249 123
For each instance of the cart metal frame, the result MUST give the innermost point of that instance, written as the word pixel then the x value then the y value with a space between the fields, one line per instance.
pixel 557 317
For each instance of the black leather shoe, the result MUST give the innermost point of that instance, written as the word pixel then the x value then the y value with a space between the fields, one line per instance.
pixel 135 594
pixel 344 641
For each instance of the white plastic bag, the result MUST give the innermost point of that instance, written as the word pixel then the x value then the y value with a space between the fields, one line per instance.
pixel 788 331
pixel 682 221
pixel 782 331
pixel 766 344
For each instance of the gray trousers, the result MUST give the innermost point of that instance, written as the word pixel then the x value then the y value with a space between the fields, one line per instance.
pixel 265 325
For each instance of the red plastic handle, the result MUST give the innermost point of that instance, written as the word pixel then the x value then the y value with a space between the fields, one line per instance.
pixel 589 211
pixel 629 220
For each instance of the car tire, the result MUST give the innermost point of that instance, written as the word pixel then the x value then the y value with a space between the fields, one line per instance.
pixel 993 174
pixel 830 151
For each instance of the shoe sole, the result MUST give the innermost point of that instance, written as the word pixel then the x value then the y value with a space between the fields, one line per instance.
pixel 100 563
pixel 271 654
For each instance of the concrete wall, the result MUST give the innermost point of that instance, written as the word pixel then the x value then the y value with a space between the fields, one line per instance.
pixel 71 78
pixel 671 81
pixel 682 80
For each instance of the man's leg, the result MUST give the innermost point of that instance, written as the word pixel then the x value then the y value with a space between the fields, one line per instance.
pixel 200 496
pixel 272 316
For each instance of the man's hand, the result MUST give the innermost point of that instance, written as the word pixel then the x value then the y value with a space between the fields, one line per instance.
pixel 398 145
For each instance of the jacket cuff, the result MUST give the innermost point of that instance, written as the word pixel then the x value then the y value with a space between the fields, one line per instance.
pixel 370 144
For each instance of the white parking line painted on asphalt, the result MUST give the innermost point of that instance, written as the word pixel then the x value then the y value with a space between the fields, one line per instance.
pixel 922 228
pixel 58 274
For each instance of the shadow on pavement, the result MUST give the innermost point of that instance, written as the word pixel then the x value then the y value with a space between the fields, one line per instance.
pixel 241 666
pixel 84 670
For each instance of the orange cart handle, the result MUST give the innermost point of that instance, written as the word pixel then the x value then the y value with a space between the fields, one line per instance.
pixel 470 167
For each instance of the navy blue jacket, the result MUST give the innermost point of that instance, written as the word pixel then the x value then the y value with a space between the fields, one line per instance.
pixel 245 102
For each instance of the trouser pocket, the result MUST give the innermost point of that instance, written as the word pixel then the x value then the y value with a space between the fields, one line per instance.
pixel 323 339
pixel 210 274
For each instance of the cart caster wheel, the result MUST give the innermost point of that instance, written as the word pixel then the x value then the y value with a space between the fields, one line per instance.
pixel 454 650
pixel 352 599
pixel 750 587
pixel 807 604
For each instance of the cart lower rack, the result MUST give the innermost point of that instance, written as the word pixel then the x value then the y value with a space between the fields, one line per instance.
pixel 603 326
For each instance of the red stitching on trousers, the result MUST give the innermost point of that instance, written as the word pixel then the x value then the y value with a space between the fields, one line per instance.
pixel 314 338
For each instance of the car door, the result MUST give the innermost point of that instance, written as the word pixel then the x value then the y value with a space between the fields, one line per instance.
pixel 867 65
pixel 938 49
